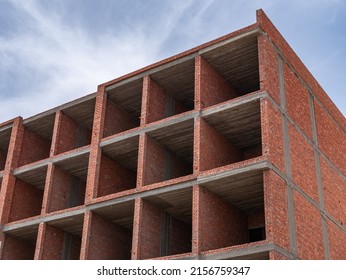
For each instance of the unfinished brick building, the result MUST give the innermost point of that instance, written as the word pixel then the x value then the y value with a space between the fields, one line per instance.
pixel 230 150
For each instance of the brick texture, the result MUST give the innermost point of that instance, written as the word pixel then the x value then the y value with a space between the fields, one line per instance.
pixel 309 229
pixel 149 231
pixel 26 201
pixel 117 120
pixel 337 242
pixel 334 190
pixel 268 68
pixel 297 101
pixel 215 149
pixel 229 223
pixel 108 241
pixel 114 177
pixel 330 136
pixel 303 164
pixel 16 249
pixel 211 87
pixel 34 147
pixel 276 215
pixel 65 191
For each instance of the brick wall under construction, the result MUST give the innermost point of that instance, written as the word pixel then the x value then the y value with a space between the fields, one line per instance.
pixel 230 150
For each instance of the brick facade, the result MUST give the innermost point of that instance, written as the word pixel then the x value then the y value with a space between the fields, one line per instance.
pixel 230 150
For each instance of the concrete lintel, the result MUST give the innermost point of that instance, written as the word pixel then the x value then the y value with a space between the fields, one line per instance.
pixel 234 104
pixel 152 71
pixel 236 253
pixel 56 159
pixel 59 108
pixel 230 40
pixel 243 169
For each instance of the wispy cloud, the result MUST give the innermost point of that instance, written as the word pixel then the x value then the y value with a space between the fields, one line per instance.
pixel 52 52
pixel 65 62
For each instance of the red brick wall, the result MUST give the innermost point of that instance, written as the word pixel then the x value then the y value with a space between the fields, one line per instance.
pixel 272 134
pixel 215 149
pixel 294 60
pixel 149 231
pixel 308 229
pixel 220 223
pixel 334 190
pixel 67 135
pixel 331 139
pixel 114 177
pixel 26 201
pixel 117 120
pixel 180 167
pixel 268 68
pixel 16 249
pixel 297 101
pixel 180 237
pixel 154 162
pixel 211 86
pixel 337 242
pixel 34 147
pixel 273 255
pixel 52 243
pixel 303 164
pixel 60 191
pixel 108 241
pixel 156 99
pixel 275 203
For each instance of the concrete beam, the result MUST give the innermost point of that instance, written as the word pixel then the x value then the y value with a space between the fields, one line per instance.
pixel 59 108
pixel 54 160
pixel 262 165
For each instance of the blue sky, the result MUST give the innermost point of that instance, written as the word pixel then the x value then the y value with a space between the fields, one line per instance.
pixel 52 52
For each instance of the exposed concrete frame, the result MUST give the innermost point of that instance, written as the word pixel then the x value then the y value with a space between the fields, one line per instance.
pixel 300 78
pixel 239 102
pixel 262 165
pixel 308 198
pixel 140 194
pixel 182 59
pixel 137 131
pixel 311 142
pixel 151 71
pixel 230 40
pixel 241 252
pixel 60 108
pixel 287 158
pixel 53 160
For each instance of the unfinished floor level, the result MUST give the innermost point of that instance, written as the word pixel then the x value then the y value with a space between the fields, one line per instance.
pixel 220 152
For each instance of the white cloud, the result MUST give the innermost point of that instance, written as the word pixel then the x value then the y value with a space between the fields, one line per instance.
pixel 72 62
pixel 66 61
